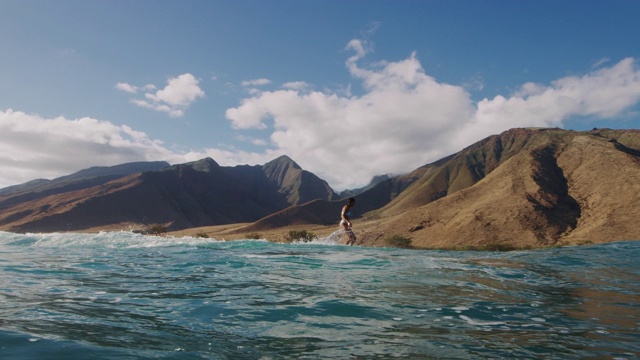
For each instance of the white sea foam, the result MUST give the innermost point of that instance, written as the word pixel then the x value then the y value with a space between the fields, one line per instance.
pixel 108 239
pixel 471 321
pixel 460 309
pixel 333 239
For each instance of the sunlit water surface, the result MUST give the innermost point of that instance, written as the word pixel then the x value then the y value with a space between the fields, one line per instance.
pixel 126 296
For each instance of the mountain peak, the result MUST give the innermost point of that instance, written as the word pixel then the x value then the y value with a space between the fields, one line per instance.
pixel 282 170
pixel 117 170
pixel 283 160
pixel 204 165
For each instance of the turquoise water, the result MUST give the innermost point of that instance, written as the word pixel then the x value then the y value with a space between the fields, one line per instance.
pixel 126 296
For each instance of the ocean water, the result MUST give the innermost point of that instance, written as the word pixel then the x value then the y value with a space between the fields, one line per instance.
pixel 120 295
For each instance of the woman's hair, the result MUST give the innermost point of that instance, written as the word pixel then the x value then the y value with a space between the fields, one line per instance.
pixel 351 200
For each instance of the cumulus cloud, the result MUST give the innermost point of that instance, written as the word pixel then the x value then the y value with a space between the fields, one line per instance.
pixel 605 93
pixel 406 118
pixel 34 147
pixel 174 99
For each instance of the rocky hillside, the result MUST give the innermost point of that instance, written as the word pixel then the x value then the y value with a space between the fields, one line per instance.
pixel 81 179
pixel 524 188
pixel 134 195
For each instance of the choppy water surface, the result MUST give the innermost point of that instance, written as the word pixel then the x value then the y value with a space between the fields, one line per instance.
pixel 126 296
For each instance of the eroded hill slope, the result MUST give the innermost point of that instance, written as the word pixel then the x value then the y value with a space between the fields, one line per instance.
pixel 559 187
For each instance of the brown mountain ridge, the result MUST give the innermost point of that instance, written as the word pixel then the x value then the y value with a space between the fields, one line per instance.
pixel 522 188
pixel 200 193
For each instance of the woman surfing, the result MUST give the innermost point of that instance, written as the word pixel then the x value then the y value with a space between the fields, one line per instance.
pixel 345 221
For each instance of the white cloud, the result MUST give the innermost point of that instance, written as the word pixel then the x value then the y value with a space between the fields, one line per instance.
pixel 180 91
pixel 127 88
pixel 132 89
pixel 34 147
pixel 296 85
pixel 174 99
pixel 605 93
pixel 256 82
pixel 359 47
pixel 600 62
pixel 406 118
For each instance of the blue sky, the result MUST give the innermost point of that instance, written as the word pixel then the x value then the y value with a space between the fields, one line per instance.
pixel 348 89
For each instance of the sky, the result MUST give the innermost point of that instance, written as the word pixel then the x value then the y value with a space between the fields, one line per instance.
pixel 347 89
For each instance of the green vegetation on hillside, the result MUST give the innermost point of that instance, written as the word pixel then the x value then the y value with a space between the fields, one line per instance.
pixel 300 235
pixel 399 241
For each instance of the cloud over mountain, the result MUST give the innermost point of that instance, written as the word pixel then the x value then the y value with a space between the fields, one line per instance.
pixel 604 93
pixel 404 118
pixel 397 118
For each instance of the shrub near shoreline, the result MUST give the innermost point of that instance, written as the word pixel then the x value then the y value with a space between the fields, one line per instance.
pixel 399 242
pixel 299 235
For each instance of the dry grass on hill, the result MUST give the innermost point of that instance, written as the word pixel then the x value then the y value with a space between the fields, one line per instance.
pixel 567 188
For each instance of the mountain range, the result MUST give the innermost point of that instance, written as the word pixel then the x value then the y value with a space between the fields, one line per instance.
pixel 522 188
pixel 134 195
